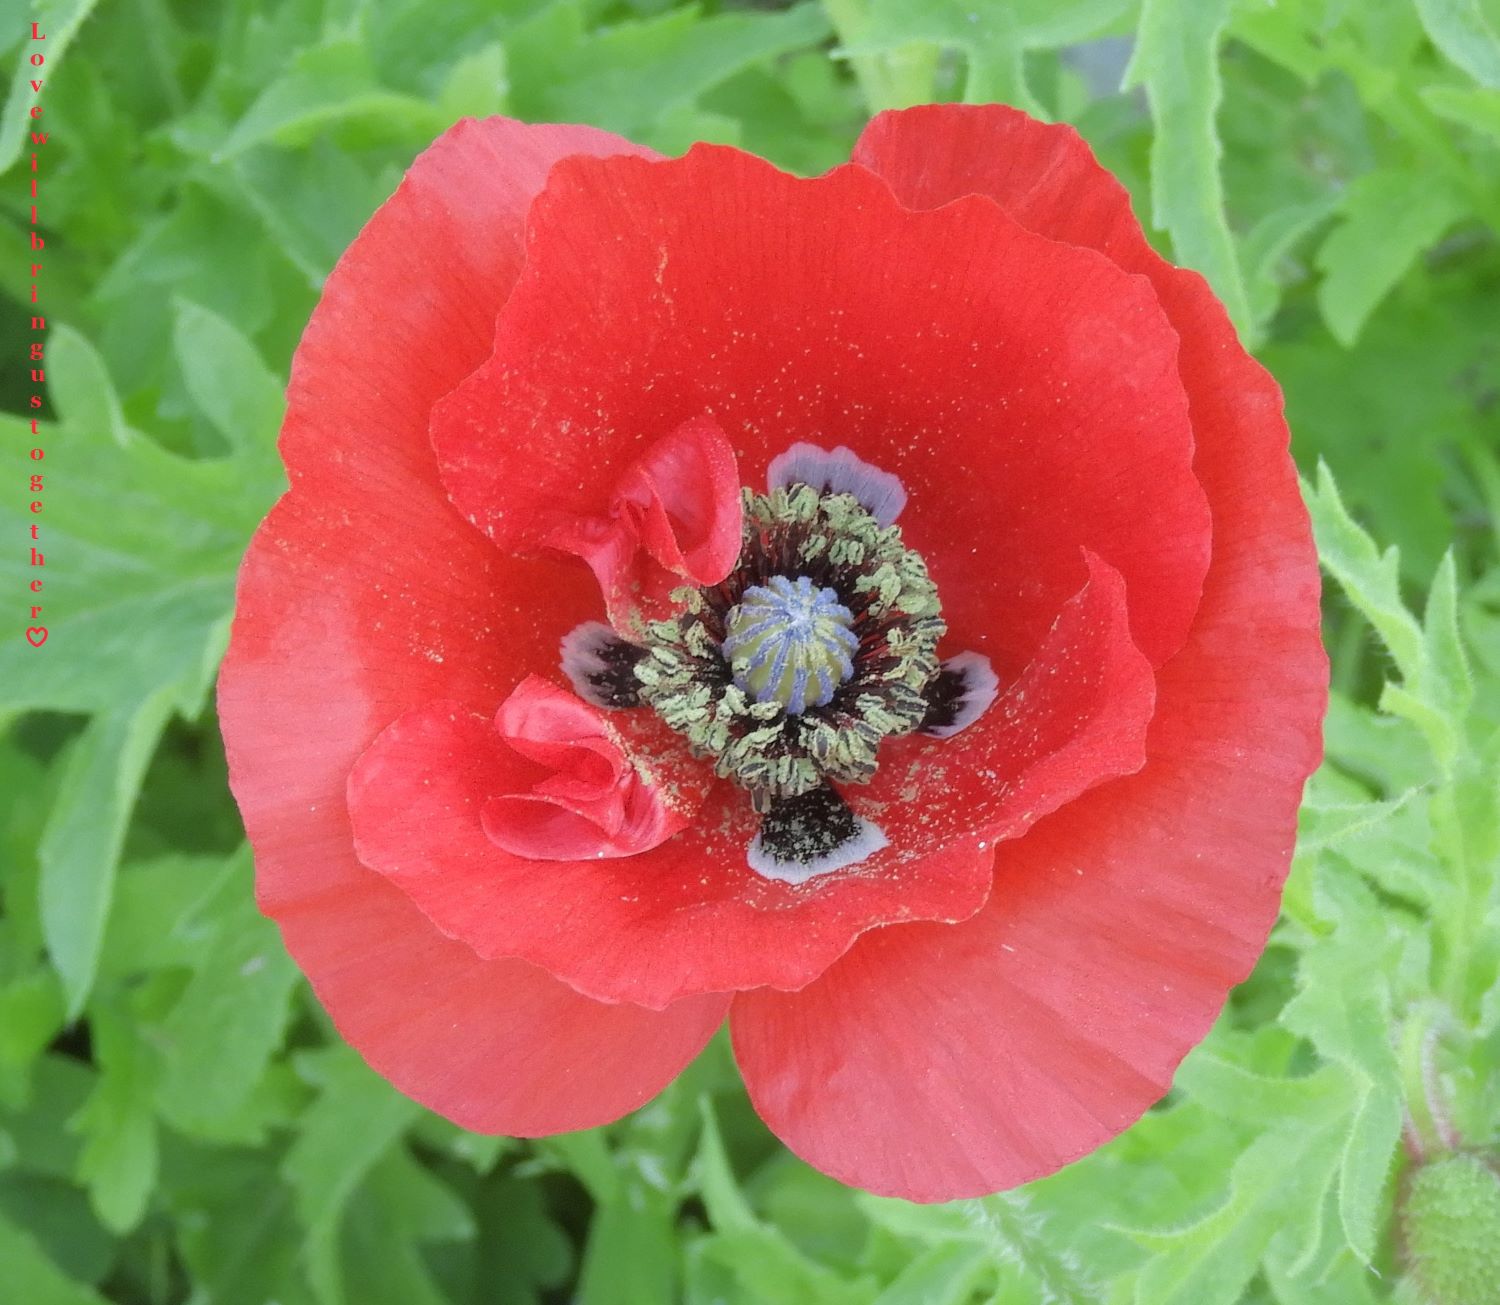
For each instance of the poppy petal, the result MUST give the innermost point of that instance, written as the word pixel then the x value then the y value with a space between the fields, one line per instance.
pixel 977 363
pixel 1014 1043
pixel 655 926
pixel 1076 717
pixel 497 1046
pixel 688 916
pixel 364 594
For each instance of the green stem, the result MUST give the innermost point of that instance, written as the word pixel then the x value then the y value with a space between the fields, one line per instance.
pixel 1429 1123
pixel 891 79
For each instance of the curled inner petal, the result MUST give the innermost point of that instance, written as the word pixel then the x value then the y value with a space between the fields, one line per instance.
pixel 674 515
pixel 547 781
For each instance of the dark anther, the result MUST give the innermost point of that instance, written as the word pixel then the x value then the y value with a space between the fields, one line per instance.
pixel 804 829
pixel 946 693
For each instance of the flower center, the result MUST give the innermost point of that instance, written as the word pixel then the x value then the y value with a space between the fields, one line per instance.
pixel 791 643
pixel 818 645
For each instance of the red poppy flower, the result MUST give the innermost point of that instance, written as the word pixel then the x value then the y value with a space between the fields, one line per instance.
pixel 876 609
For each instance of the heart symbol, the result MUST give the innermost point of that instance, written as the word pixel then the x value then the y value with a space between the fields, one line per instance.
pixel 36 635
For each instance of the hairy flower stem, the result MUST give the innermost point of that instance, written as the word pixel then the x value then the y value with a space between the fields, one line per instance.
pixel 1428 1129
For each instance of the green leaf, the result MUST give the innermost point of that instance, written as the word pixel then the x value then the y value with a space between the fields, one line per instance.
pixel 477 86
pixel 331 86
pixel 1214 1257
pixel 80 848
pixel 1479 110
pixel 1176 60
pixel 995 49
pixel 32 1277
pixel 1007 1226
pixel 631 1256
pixel 944 1275
pixel 236 1230
pixel 1343 1008
pixel 560 73
pixel 312 202
pixel 1388 218
pixel 357 1118
pixel 397 1207
pixel 118 1161
pixel 58 21
pixel 141 550
pixel 220 1035
pixel 520 1250
pixel 1436 689
pixel 756 1256
pixel 1465 34
pixel 226 380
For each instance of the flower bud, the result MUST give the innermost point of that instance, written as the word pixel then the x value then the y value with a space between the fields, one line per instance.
pixel 1450 1221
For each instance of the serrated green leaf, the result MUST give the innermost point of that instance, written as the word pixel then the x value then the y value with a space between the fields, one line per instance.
pixel 1343 1008
pixel 1009 1229
pixel 1436 687
pixel 1176 61
pixel 1319 827
pixel 1234 1092
pixel 994 49
pixel 1214 1257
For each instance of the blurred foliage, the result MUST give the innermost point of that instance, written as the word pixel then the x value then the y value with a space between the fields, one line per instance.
pixel 177 1121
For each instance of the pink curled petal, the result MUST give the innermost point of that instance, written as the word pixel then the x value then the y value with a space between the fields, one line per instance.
pixel 555 729
pixel 593 804
pixel 674 517
pixel 542 829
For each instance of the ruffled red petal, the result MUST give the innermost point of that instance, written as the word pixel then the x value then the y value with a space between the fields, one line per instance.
pixel 686 917
pixel 1075 717
pixel 934 1063
pixel 979 362
pixel 652 927
pixel 365 594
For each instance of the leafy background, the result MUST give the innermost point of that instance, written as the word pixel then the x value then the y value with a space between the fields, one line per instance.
pixel 177 1121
